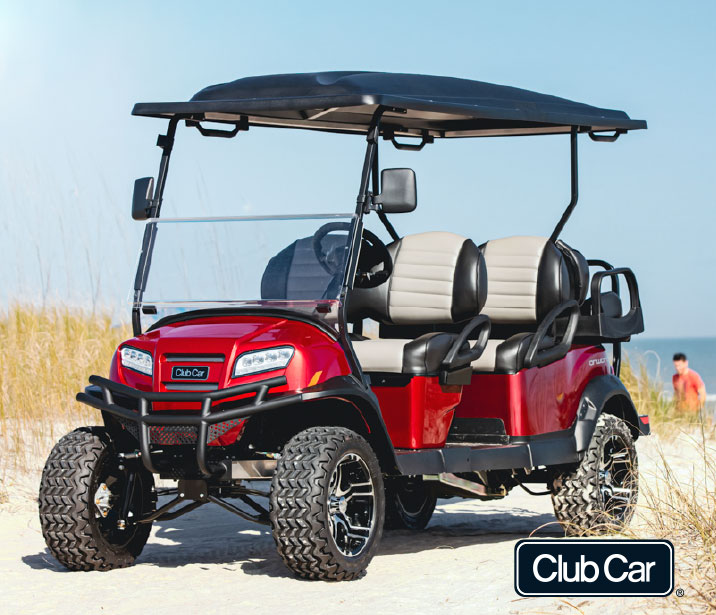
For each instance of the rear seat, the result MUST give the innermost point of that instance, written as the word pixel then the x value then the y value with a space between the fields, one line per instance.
pixel 528 278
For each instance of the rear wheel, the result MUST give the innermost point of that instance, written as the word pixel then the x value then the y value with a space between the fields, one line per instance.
pixel 327 504
pixel 409 503
pixel 598 496
pixel 82 501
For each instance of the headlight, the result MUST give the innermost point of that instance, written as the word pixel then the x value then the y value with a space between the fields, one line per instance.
pixel 258 361
pixel 138 360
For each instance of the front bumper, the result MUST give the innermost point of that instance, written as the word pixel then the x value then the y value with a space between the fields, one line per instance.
pixel 117 400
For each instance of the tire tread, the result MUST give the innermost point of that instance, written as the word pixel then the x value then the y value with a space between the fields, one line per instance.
pixel 66 507
pixel 297 504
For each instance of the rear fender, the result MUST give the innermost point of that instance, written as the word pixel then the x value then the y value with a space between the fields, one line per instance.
pixel 608 394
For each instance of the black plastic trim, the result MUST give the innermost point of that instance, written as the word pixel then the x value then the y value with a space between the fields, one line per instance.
pixel 556 450
pixel 239 311
pixel 597 394
pixel 480 430
pixel 391 379
pixel 352 389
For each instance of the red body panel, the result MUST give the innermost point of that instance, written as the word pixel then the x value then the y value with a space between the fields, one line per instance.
pixel 317 356
pixel 419 414
pixel 538 400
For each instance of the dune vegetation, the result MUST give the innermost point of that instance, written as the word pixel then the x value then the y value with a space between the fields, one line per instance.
pixel 46 356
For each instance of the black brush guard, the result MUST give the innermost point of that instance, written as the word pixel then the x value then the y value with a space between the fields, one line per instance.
pixel 102 396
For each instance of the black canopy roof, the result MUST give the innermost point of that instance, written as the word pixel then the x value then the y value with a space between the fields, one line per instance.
pixel 418 104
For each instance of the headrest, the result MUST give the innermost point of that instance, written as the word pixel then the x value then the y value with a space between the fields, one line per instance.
pixel 528 276
pixel 438 277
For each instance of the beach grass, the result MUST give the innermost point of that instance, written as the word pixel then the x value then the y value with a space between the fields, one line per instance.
pixel 678 503
pixel 665 418
pixel 46 355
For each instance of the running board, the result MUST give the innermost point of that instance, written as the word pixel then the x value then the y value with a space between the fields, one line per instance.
pixel 456 458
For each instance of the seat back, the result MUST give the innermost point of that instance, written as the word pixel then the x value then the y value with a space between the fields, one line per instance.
pixel 528 276
pixel 437 278
pixel 295 273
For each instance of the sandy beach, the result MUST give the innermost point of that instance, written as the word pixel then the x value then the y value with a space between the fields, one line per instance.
pixel 213 560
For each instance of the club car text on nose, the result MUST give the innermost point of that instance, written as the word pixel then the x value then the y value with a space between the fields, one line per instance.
pixel 190 373
pixel 616 568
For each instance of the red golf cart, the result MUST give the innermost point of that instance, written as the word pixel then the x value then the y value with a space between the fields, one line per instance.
pixel 488 367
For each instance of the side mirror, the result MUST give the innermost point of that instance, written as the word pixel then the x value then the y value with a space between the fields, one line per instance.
pixel 399 194
pixel 142 197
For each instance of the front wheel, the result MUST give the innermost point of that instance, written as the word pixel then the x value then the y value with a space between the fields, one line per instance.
pixel 327 504
pixel 85 494
pixel 598 496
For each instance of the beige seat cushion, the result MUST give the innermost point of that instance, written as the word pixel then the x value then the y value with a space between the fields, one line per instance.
pixel 421 287
pixel 386 355
pixel 512 270
pixel 381 355
pixel 486 362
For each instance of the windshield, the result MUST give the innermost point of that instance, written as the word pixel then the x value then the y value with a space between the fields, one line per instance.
pixel 296 262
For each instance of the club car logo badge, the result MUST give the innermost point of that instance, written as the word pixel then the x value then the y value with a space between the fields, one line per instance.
pixel 190 372
pixel 594 567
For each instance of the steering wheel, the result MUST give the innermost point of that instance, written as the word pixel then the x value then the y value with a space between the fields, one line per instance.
pixel 373 253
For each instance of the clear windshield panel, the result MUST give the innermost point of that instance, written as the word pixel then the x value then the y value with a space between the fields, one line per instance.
pixel 294 262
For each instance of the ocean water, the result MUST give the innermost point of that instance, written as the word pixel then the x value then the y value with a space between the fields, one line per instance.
pixel 657 354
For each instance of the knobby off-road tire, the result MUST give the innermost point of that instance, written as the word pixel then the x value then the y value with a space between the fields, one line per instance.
pixel 409 504
pixel 75 531
pixel 319 489
pixel 599 495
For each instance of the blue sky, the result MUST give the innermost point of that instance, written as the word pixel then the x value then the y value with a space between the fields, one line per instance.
pixel 69 151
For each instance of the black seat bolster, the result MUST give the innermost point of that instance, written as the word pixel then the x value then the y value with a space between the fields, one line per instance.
pixel 425 354
pixel 510 354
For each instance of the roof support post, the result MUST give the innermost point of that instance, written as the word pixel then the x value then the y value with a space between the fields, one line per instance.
pixel 363 200
pixel 166 142
pixel 575 185
pixel 375 184
pixel 362 205
pixel 371 152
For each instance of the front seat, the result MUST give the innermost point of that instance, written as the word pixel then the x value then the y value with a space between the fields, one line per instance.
pixel 295 273
pixel 533 281
pixel 438 278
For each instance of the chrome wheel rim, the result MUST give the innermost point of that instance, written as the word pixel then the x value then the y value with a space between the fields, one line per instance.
pixel 351 505
pixel 617 478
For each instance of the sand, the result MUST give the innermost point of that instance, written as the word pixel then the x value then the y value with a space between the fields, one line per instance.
pixel 213 561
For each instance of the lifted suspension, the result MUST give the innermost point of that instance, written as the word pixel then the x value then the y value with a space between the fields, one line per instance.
pixel 197 493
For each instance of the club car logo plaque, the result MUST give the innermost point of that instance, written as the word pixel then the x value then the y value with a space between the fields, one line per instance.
pixel 594 567
pixel 190 372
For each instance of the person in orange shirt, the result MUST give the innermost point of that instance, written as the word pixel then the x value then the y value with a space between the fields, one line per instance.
pixel 689 389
